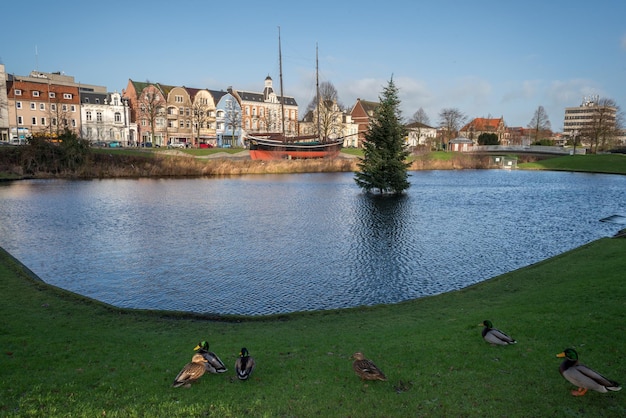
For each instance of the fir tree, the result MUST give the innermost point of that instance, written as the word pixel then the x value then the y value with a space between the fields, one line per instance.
pixel 384 164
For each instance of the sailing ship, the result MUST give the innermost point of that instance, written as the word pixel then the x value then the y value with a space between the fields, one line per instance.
pixel 279 146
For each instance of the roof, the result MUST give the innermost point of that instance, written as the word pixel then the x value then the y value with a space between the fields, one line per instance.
pixel 249 96
pixel 417 125
pixel 483 124
pixel 368 106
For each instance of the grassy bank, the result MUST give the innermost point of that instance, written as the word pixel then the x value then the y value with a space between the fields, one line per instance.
pixel 17 163
pixel 64 355
pixel 596 163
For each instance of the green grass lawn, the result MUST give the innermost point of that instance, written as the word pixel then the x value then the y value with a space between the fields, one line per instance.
pixel 65 355
pixel 597 163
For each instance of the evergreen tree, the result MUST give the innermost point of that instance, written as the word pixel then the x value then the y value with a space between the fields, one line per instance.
pixel 384 166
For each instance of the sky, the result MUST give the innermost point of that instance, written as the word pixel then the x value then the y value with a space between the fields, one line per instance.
pixel 485 58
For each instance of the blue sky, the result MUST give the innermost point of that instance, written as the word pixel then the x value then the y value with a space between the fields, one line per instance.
pixel 486 58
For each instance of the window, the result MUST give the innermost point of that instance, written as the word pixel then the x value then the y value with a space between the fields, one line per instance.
pixel 33 106
pixel 86 100
pixel 20 120
pixel 99 116
pixel 67 96
pixel 64 108
pixel 73 123
pixel 43 121
pixel 18 105
pixel 73 108
pixel 53 107
pixel 181 111
pixel 33 121
pixel 42 106
pixel 35 93
pixel 54 121
pixel 52 95
pixel 97 100
pixel 182 124
pixel 118 117
pixel 88 115
pixel 18 92
pixel 178 99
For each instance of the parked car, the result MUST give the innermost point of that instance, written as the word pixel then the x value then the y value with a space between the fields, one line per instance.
pixel 115 144
pixel 100 144
pixel 146 144
pixel 176 145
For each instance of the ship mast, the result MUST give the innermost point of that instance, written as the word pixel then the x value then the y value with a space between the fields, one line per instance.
pixel 317 94
pixel 282 97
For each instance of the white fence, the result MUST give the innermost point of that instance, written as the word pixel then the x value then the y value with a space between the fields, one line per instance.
pixel 539 149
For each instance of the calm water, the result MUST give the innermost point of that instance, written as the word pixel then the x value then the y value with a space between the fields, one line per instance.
pixel 282 243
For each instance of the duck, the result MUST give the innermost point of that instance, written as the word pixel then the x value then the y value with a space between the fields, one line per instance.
pixel 494 336
pixel 191 372
pixel 366 369
pixel 582 376
pixel 214 364
pixel 244 365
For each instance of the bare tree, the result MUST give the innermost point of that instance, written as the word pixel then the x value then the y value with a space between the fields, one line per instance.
pixel 450 121
pixel 232 119
pixel 540 124
pixel 420 117
pixel 151 108
pixel 603 128
pixel 200 116
pixel 326 112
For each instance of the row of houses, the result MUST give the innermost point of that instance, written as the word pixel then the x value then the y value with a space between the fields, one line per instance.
pixel 159 114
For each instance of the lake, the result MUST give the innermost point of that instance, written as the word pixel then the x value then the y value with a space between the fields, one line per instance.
pixel 266 244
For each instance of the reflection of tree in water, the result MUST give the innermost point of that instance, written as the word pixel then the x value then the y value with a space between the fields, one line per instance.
pixel 383 236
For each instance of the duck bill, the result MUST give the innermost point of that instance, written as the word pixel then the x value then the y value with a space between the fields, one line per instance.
pixel 560 355
pixel 197 348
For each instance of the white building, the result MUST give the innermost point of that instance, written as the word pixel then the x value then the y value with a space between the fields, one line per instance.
pixel 105 117
pixel 580 119
pixel 4 106
pixel 420 134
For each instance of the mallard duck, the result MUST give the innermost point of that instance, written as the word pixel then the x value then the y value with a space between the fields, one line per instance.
pixel 366 369
pixel 582 376
pixel 191 372
pixel 244 365
pixel 495 336
pixel 214 364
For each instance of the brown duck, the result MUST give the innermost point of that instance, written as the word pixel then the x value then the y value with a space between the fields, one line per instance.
pixel 191 372
pixel 366 369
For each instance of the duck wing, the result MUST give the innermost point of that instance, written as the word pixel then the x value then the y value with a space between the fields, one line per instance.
pixel 368 370
pixel 495 336
pixel 214 363
pixel 585 377
pixel 189 374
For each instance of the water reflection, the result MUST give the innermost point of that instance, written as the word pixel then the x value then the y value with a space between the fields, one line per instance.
pixel 282 243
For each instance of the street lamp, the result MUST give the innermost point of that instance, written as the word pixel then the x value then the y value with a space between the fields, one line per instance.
pixel 574 133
